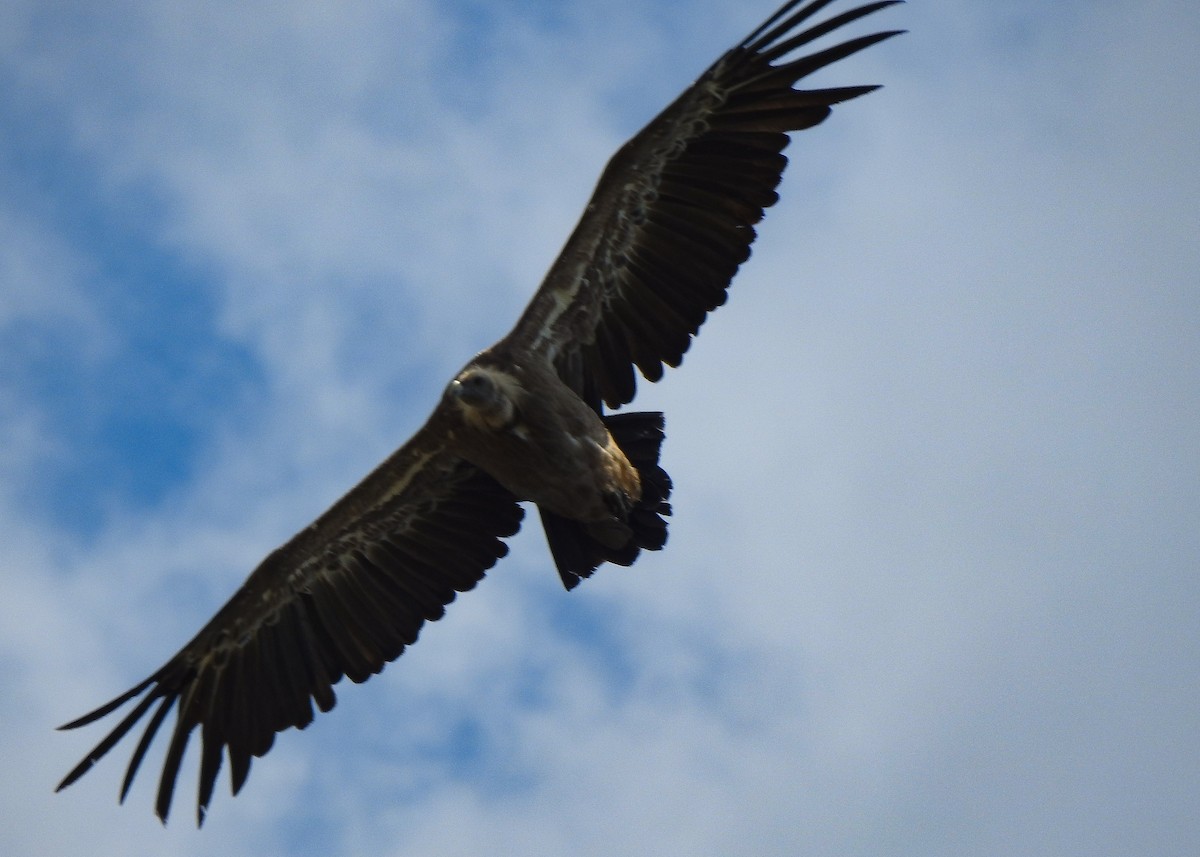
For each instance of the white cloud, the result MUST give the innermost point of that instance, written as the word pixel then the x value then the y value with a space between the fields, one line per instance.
pixel 930 587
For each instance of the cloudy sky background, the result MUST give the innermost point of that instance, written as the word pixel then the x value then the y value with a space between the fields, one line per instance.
pixel 932 581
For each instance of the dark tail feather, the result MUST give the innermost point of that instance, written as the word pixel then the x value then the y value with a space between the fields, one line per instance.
pixel 579 549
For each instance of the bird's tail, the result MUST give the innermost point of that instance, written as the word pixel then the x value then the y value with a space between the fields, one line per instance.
pixel 579 548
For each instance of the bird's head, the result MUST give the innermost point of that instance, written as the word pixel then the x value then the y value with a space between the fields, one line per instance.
pixel 487 397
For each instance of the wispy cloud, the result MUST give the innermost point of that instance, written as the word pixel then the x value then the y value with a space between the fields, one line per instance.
pixel 931 581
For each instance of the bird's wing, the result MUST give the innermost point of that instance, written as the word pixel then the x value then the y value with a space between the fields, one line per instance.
pixel 343 597
pixel 672 216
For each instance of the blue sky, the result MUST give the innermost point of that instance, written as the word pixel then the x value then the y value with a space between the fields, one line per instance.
pixel 931 586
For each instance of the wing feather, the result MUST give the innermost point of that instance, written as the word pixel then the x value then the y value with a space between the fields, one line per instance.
pixel 673 214
pixel 344 597
pixel 143 744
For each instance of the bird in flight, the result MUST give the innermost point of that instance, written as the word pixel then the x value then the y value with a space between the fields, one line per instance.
pixel 669 223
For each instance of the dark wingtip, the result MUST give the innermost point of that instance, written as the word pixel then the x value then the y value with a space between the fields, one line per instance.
pixel 110 706
pixel 776 26
pixel 139 752
pixel 76 772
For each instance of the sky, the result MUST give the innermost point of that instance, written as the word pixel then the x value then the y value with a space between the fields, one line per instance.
pixel 931 586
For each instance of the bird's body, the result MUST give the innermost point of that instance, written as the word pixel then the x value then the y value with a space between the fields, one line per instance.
pixel 671 220
pixel 547 446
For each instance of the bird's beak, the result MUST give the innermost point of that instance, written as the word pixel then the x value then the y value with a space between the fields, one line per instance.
pixel 470 397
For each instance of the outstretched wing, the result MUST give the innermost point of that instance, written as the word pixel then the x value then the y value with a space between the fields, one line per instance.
pixel 672 216
pixel 343 597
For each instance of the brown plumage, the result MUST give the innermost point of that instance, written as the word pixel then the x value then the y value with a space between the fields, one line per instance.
pixel 668 225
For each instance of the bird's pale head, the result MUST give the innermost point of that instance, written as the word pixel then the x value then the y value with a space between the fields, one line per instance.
pixel 487 397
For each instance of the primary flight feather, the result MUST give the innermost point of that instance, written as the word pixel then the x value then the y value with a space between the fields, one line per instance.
pixel 671 220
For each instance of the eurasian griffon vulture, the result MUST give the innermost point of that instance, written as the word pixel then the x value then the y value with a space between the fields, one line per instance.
pixel 670 221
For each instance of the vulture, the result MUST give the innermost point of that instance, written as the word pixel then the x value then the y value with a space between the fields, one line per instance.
pixel 526 420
